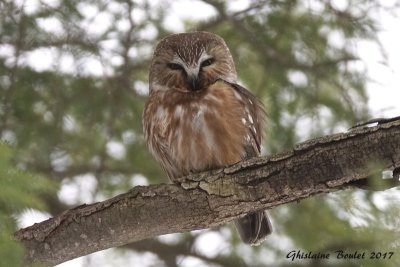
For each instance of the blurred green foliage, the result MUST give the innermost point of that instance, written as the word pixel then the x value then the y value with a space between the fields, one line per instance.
pixel 18 190
pixel 73 81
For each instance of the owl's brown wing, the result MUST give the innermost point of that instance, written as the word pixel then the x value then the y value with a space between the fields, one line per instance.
pixel 254 118
pixel 254 227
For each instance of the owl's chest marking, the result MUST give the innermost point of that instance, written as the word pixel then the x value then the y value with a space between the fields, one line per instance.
pixel 207 132
pixel 193 129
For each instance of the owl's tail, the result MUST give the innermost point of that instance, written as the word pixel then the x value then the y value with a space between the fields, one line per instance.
pixel 254 227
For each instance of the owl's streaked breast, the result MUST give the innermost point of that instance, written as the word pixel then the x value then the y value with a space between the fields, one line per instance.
pixel 197 132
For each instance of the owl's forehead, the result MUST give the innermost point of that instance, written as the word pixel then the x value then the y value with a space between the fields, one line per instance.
pixel 189 53
pixel 189 47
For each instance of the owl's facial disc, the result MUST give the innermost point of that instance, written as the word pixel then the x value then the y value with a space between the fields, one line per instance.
pixel 192 70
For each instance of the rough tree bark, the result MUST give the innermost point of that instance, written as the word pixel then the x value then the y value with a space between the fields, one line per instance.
pixel 216 197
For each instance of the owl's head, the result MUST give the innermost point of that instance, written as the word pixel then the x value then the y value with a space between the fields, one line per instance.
pixel 189 62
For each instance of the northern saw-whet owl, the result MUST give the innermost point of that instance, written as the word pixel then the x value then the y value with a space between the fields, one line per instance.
pixel 198 118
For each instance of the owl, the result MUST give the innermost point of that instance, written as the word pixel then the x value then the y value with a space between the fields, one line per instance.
pixel 198 118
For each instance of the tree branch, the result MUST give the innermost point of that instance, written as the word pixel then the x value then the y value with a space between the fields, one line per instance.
pixel 216 197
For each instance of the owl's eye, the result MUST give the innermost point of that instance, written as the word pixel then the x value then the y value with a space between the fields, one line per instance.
pixel 207 62
pixel 174 66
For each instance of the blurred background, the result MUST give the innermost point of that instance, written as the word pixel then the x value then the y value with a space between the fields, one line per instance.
pixel 73 82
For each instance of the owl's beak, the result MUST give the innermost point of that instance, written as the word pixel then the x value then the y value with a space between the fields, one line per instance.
pixel 193 82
